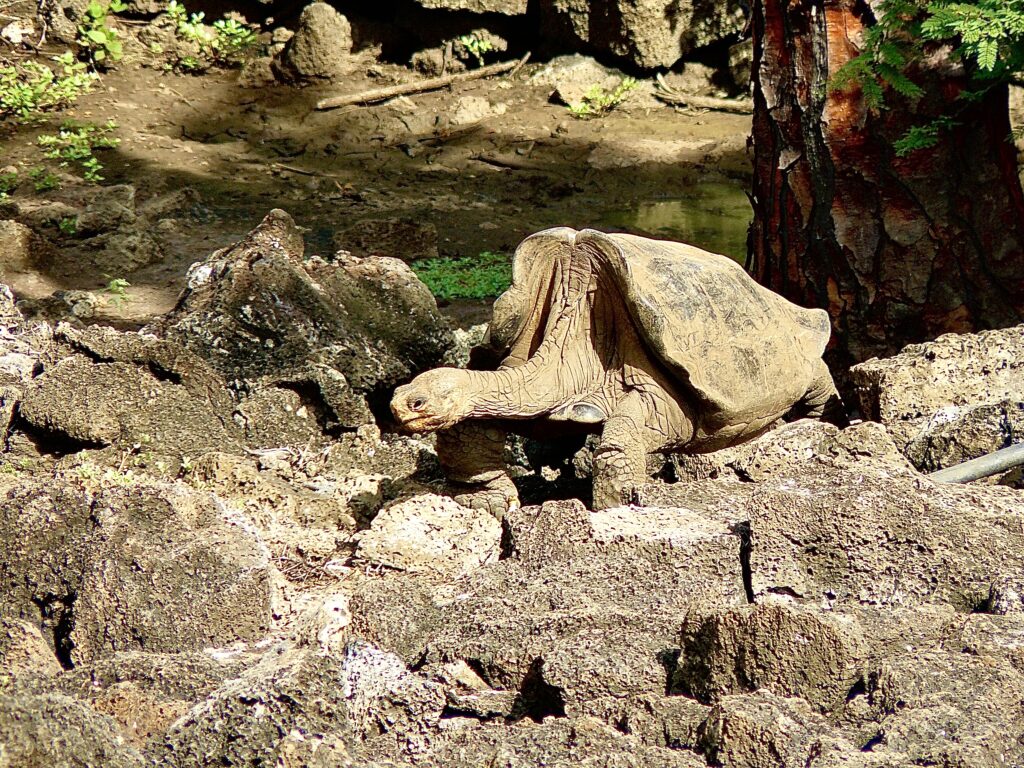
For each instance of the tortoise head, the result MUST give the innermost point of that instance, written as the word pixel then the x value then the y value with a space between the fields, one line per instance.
pixel 434 400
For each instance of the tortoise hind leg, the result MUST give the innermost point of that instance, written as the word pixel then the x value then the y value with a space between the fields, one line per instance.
pixel 472 457
pixel 822 400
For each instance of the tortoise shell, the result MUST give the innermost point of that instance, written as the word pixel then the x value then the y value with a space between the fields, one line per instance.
pixel 742 350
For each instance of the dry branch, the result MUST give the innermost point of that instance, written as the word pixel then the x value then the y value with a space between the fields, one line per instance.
pixel 420 86
pixel 672 96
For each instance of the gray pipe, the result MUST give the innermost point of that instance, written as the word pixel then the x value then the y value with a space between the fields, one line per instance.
pixel 983 466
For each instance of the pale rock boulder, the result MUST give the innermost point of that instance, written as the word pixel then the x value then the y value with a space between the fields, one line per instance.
pixel 431 534
pixel 956 370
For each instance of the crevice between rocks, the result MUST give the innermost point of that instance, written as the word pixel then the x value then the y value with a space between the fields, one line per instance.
pixel 743 530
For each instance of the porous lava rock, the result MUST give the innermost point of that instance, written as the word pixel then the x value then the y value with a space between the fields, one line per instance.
pixel 365 696
pixel 431 534
pixel 333 332
pixel 960 370
pixel 154 567
pixel 56 731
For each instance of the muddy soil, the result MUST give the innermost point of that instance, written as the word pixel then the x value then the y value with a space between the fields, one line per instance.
pixel 484 162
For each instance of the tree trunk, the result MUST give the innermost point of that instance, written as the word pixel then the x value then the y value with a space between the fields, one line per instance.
pixel 898 250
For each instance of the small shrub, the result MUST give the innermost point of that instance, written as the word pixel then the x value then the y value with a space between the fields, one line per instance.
pixel 117 291
pixel 481 277
pixel 30 88
pixel 76 144
pixel 597 101
pixel 216 44
pixel 43 180
pixel 8 183
pixel 97 37
pixel 475 46
pixel 68 226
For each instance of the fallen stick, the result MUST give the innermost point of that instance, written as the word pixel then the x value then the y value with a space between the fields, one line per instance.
pixel 420 86
pixel 736 106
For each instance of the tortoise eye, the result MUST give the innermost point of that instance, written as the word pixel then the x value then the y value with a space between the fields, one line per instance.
pixel 417 404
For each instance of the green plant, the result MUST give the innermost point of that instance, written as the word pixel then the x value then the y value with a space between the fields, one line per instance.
pixel 96 36
pixel 117 290
pixel 68 225
pixel 482 277
pixel 8 183
pixel 597 101
pixel 232 38
pixel 43 180
pixel 219 43
pixel 29 88
pixel 984 37
pixel 476 46
pixel 76 144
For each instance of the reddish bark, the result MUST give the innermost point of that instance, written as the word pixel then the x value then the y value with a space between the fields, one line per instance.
pixel 897 249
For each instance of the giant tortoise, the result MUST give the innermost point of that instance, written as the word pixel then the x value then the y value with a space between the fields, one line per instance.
pixel 655 345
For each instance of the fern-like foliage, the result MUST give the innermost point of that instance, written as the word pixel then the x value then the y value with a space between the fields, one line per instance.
pixel 986 37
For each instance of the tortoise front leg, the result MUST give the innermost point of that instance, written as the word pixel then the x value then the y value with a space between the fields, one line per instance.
pixel 620 461
pixel 472 457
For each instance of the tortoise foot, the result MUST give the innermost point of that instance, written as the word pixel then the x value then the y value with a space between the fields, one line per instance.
pixel 498 497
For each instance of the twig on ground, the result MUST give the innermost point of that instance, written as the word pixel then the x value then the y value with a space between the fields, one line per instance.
pixel 420 86
pixel 671 96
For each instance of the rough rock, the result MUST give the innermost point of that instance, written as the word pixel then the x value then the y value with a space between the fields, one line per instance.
pixel 570 77
pixel 405 239
pixel 54 731
pixel 321 47
pixel 24 651
pixel 396 613
pixel 107 209
pixel 962 370
pixel 581 589
pixel 333 331
pixel 559 743
pixel 782 452
pixel 366 697
pixel 880 537
pixel 648 33
pixel 506 7
pixel 94 404
pixel 762 730
pixel 788 650
pixel 431 534
pixel 954 435
pixel 21 249
pixel 660 721
pixel 154 567
pixel 949 708
pixel 170 571
pixel 472 109
pixel 9 315
pixel 62 18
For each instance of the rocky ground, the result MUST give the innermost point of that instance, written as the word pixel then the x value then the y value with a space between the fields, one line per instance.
pixel 213 556
pixel 216 553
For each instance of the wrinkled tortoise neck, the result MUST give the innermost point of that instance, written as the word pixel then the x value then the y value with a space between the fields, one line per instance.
pixel 555 373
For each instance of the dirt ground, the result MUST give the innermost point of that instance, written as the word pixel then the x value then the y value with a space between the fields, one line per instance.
pixel 485 162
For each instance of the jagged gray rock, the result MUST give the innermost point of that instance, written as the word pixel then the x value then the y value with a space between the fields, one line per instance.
pixel 333 332
pixel 365 697
pixel 152 566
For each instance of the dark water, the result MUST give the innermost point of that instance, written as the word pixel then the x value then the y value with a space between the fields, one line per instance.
pixel 714 216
